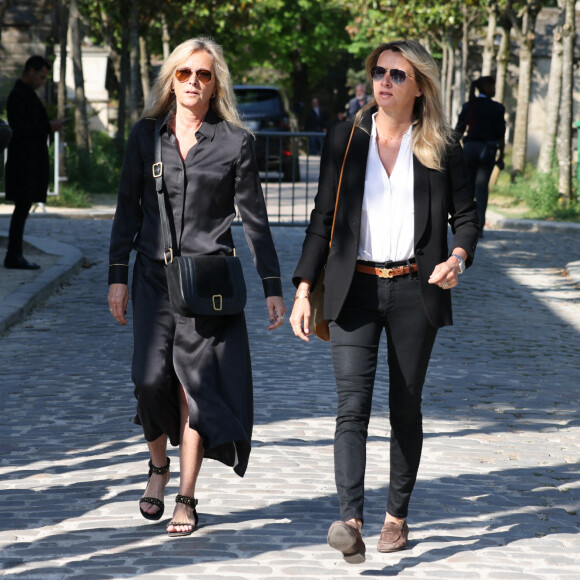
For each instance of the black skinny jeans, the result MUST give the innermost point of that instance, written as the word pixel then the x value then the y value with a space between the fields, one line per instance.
pixel 374 304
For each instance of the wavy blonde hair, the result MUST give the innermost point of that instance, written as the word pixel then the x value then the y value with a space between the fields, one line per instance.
pixel 161 100
pixel 431 133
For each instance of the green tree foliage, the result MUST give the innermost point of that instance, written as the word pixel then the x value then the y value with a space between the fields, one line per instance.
pixel 429 21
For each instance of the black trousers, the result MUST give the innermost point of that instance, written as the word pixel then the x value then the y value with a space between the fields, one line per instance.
pixel 17 223
pixel 373 305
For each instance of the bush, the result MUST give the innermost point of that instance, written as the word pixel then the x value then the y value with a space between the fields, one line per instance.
pixel 70 195
pixel 100 171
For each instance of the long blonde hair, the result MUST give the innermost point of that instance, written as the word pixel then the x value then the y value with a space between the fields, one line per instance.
pixel 431 133
pixel 161 100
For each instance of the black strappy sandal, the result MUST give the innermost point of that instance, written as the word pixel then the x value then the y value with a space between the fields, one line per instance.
pixel 192 502
pixel 153 500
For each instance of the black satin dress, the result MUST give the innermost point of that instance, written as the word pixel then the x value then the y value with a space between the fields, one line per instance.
pixel 209 356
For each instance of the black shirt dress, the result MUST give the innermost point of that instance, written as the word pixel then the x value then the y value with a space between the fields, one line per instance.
pixel 210 355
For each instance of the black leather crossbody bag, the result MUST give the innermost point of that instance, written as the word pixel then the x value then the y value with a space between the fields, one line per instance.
pixel 205 285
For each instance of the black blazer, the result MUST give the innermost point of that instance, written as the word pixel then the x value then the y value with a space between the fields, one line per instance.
pixel 484 120
pixel 439 197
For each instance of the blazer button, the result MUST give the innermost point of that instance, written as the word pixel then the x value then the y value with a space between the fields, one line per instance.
pixel 419 252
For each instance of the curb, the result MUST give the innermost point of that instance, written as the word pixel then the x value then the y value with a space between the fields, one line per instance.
pixel 21 302
pixel 525 225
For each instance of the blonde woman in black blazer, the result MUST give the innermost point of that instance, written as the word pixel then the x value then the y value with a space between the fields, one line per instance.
pixel 389 268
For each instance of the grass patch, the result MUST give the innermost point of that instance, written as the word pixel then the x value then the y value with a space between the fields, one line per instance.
pixel 532 195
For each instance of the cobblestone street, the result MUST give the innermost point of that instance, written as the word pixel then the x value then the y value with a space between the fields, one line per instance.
pixel 498 495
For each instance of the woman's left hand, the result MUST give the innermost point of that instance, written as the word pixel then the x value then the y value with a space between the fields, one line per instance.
pixel 446 274
pixel 276 311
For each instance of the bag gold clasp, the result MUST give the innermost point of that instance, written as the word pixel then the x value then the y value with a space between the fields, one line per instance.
pixel 217 302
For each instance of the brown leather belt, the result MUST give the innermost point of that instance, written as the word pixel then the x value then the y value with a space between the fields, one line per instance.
pixel 386 272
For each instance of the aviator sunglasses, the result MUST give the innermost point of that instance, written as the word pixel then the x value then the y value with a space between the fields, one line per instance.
pixel 182 74
pixel 398 76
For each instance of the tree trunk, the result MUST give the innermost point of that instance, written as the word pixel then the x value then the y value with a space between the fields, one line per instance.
pixel 81 119
pixel 449 80
pixel 165 38
pixel 566 105
pixel 63 16
pixel 123 80
pixel 461 94
pixel 300 82
pixel 525 35
pixel 458 96
pixel 144 64
pixel 114 54
pixel 62 36
pixel 502 60
pixel 444 68
pixel 135 76
pixel 489 46
pixel 552 103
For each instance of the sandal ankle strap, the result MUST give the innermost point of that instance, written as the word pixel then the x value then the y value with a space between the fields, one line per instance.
pixel 159 470
pixel 190 501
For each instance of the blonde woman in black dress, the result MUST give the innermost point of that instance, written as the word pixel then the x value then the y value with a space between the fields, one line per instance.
pixel 192 376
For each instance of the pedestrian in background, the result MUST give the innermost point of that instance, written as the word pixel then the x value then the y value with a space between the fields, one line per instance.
pixel 389 270
pixel 316 121
pixel 192 376
pixel 483 145
pixel 360 100
pixel 27 165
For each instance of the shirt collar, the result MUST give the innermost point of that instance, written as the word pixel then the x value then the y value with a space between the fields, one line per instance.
pixel 207 128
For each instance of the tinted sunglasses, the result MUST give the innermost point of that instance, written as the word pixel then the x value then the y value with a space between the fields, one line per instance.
pixel 398 76
pixel 182 74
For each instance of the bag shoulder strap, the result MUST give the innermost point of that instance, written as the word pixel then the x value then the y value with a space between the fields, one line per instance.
pixel 157 169
pixel 339 185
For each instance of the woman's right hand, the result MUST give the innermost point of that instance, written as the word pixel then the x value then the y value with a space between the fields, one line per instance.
pixel 118 300
pixel 300 317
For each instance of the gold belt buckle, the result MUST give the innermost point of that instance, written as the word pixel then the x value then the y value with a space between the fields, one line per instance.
pixel 386 272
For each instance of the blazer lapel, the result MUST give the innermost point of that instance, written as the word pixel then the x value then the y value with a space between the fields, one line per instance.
pixel 421 197
pixel 353 180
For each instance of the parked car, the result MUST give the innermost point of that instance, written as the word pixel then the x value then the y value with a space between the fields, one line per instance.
pixel 262 110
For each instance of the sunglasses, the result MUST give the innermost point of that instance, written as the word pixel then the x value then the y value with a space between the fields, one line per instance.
pixel 202 74
pixel 397 76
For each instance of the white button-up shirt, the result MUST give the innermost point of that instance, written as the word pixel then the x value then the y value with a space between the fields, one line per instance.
pixel 387 224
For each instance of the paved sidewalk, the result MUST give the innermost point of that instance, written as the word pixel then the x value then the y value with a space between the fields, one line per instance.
pixel 498 495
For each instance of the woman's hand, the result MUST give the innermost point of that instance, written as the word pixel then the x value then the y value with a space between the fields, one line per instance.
pixel 118 300
pixel 276 311
pixel 300 317
pixel 446 274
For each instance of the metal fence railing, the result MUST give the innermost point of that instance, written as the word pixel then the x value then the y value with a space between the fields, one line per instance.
pixel 289 164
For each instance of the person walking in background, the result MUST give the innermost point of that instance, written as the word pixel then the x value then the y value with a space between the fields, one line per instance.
pixel 483 145
pixel 27 165
pixel 389 270
pixel 316 121
pixel 192 376
pixel 360 100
